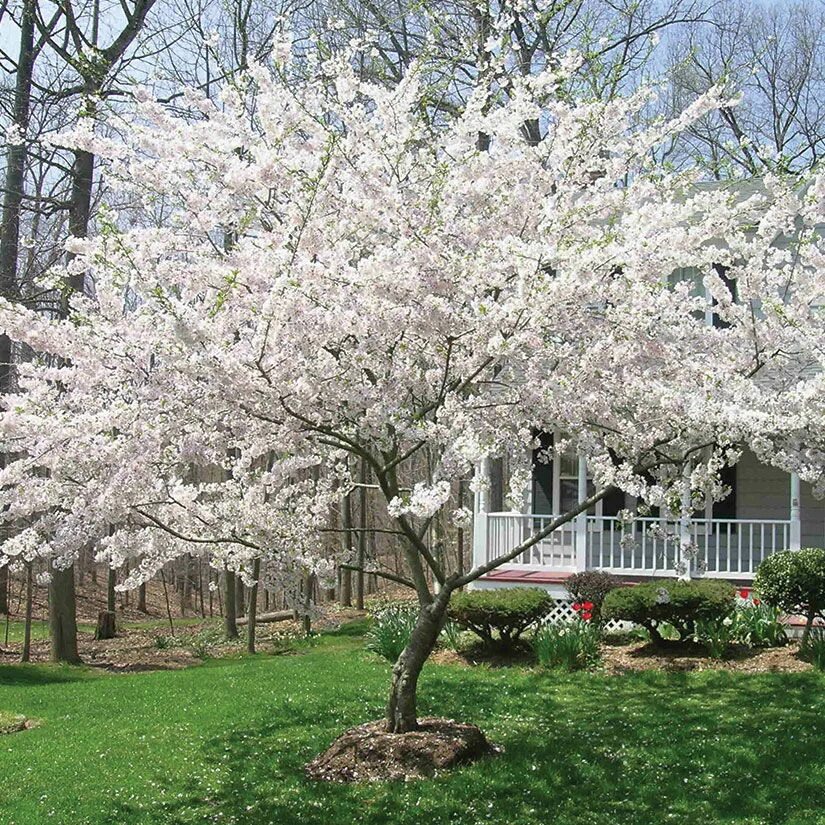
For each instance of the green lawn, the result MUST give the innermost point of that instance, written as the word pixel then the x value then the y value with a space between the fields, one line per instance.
pixel 225 743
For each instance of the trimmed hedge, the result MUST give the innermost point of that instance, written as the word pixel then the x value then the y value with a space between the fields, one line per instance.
pixel 499 616
pixel 677 603
pixel 794 581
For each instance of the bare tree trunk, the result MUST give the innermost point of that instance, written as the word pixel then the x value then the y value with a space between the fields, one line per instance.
pixel 345 576
pixel 168 606
pixel 62 616
pixel 111 580
pixel 252 614
pixel 141 602
pixel 25 656
pixel 402 714
pixel 362 535
pixel 4 590
pixel 309 581
pixel 230 626
pixel 240 596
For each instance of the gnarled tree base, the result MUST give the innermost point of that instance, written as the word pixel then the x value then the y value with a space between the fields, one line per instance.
pixel 369 754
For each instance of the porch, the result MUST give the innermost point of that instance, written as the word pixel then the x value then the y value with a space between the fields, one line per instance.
pixel 721 548
pixel 766 511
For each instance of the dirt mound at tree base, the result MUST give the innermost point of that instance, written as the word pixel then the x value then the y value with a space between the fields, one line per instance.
pixel 368 753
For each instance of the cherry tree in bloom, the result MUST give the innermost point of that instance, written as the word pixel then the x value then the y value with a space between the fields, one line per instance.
pixel 336 277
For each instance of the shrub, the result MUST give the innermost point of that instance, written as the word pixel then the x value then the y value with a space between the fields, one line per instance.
pixel 162 642
pixel 794 581
pixel 756 624
pixel 499 616
pixel 591 586
pixel 391 629
pixel 677 603
pixel 715 635
pixel 570 646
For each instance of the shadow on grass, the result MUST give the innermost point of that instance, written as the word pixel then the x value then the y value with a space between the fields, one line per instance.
pixel 704 748
pixel 40 674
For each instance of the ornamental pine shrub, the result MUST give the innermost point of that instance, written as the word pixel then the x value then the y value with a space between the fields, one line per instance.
pixel 591 586
pixel 680 604
pixel 499 617
pixel 794 581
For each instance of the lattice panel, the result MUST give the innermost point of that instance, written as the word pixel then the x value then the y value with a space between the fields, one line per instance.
pixel 562 613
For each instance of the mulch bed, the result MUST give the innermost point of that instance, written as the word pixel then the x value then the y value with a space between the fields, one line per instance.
pixel 368 753
pixel 640 656
pixel 628 657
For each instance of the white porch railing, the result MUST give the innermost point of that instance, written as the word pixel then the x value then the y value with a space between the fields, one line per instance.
pixel 720 548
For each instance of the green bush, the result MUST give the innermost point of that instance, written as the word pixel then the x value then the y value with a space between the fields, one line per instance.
pixel 677 603
pixel 570 646
pixel 499 617
pixel 591 586
pixel 794 581
pixel 391 629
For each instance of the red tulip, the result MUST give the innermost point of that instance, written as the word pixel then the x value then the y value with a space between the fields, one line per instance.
pixel 577 606
pixel 587 615
pixel 588 606
pixel 757 602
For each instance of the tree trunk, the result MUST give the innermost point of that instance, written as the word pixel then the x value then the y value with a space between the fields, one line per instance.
pixel 25 656
pixel 111 580
pixel 806 633
pixel 402 715
pixel 141 603
pixel 362 535
pixel 230 627
pixel 309 583
pixel 240 596
pixel 105 625
pixel 345 576
pixel 4 589
pixel 62 616
pixel 252 613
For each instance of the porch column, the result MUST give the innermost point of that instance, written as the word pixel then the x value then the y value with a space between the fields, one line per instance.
pixel 684 526
pixel 481 508
pixel 580 534
pixel 796 514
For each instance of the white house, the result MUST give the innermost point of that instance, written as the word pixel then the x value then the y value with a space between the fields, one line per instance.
pixel 766 511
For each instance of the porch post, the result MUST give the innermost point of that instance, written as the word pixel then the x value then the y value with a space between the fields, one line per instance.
pixel 480 510
pixel 796 514
pixel 684 526
pixel 580 534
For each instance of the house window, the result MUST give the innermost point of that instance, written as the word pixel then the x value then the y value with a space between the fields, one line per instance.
pixel 569 482
pixel 726 508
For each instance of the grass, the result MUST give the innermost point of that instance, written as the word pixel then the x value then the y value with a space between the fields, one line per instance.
pixel 40 630
pixel 225 742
